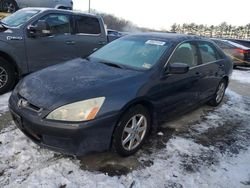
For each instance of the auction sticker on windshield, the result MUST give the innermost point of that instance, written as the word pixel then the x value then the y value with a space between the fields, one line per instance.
pixel 156 42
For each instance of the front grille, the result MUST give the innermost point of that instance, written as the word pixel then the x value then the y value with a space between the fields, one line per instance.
pixel 33 107
pixel 24 103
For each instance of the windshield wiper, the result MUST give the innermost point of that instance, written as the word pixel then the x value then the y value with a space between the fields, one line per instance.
pixel 112 64
pixel 3 25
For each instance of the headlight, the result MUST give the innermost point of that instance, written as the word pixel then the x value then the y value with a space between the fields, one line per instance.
pixel 78 111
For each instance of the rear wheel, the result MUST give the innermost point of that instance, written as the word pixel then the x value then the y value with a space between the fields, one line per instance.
pixel 7 76
pixel 9 6
pixel 219 94
pixel 131 131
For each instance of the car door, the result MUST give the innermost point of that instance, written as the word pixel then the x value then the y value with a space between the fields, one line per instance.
pixel 180 91
pixel 211 69
pixel 89 35
pixel 55 48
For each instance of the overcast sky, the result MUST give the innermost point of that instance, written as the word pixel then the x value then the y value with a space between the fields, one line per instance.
pixel 161 14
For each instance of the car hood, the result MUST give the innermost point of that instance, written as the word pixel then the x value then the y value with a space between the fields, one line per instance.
pixel 70 82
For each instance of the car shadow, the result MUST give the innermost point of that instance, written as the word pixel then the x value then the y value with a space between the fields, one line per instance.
pixel 112 164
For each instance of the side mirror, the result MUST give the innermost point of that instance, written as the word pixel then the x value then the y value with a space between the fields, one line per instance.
pixel 178 68
pixel 41 29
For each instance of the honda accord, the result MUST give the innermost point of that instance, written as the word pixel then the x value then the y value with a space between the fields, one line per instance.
pixel 119 94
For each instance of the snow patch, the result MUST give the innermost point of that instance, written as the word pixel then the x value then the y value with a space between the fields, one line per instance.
pixel 241 76
pixel 231 108
pixel 4 102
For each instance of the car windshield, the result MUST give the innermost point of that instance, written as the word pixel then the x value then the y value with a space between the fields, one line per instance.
pixel 19 18
pixel 136 53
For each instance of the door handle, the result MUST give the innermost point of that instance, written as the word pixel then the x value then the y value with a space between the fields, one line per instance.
pixel 101 42
pixel 221 65
pixel 70 42
pixel 198 73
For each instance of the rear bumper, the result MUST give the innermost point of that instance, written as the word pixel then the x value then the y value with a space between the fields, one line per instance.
pixel 68 138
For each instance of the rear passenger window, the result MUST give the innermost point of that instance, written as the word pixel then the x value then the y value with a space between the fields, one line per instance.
pixel 208 52
pixel 87 25
pixel 185 53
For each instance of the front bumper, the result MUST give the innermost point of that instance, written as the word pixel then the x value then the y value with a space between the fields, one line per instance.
pixel 64 137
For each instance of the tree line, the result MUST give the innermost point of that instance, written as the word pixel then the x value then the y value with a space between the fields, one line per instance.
pixel 223 30
pixel 120 24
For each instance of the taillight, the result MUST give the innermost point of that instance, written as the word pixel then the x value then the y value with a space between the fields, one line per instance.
pixel 241 51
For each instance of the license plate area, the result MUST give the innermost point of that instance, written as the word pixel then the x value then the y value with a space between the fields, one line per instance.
pixel 21 125
pixel 17 119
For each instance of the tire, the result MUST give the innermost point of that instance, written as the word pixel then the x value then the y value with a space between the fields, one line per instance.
pixel 9 6
pixel 128 138
pixel 219 94
pixel 7 76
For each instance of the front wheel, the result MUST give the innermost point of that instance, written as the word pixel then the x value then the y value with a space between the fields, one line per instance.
pixel 131 131
pixel 219 94
pixel 7 76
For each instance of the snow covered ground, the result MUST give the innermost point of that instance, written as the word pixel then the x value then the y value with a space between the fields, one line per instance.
pixel 212 152
pixel 242 75
pixel 4 103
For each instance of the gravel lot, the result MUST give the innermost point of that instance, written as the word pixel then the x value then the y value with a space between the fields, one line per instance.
pixel 209 147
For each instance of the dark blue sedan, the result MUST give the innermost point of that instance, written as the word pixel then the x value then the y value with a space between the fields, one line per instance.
pixel 115 97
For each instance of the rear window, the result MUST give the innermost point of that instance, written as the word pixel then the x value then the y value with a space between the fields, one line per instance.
pixel 242 42
pixel 223 44
pixel 87 25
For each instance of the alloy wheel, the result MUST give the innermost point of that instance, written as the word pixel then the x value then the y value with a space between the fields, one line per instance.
pixel 220 92
pixel 134 132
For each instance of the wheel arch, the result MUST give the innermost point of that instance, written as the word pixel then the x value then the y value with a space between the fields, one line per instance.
pixel 145 103
pixel 11 61
pixel 226 78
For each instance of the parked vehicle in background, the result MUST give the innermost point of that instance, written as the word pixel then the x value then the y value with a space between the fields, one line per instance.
pixel 34 38
pixel 240 54
pixel 114 97
pixel 113 34
pixel 241 41
pixel 11 6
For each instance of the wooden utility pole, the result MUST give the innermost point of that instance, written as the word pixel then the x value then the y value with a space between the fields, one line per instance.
pixel 89 6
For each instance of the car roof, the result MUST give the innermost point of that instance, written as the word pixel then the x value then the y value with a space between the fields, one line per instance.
pixel 42 9
pixel 232 43
pixel 168 36
pixel 243 40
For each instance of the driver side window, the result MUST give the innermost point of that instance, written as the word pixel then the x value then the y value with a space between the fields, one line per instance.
pixel 186 53
pixel 58 24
